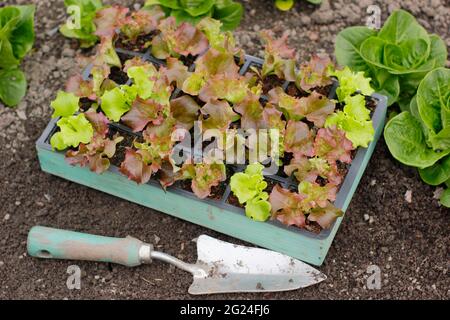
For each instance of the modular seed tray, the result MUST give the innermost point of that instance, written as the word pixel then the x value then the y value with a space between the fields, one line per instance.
pixel 218 215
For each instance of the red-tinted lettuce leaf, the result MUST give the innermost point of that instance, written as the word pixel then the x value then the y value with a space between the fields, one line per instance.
pixel 217 115
pixel 204 177
pixel 325 216
pixel 314 73
pixel 299 139
pixel 251 112
pixel 139 165
pixel 184 40
pixel 234 90
pixel 215 62
pixel 98 121
pixel 272 119
pixel 331 144
pixel 143 112
pixel 109 19
pixel 185 110
pixel 141 22
pixel 160 137
pixel 176 72
pixel 316 108
pixel 95 154
pixel 81 88
pixel 309 169
pixel 315 195
pixel 290 106
pixel 286 207
pixel 278 57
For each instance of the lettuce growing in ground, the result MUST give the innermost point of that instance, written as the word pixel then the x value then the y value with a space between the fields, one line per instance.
pixel 81 25
pixel 249 188
pixel 16 40
pixel 421 138
pixel 396 58
pixel 228 12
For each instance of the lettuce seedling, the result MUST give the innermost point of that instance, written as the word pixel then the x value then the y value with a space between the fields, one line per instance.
pixel 176 41
pixel 354 120
pixel 84 15
pixel 315 73
pixel 100 149
pixel 310 204
pixel 315 107
pixel 16 40
pixel 279 59
pixel 73 131
pixel 309 169
pixel 118 101
pixel 331 144
pixel 65 104
pixel 351 82
pixel 141 22
pixel 204 176
pixel 249 188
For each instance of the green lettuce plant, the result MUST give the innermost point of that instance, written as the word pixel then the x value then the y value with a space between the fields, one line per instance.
pixel 229 12
pixel 81 26
pixel 285 5
pixel 396 58
pixel 249 188
pixel 421 137
pixel 16 40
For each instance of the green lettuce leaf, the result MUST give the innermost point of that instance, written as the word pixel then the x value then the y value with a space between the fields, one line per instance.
pixel 65 104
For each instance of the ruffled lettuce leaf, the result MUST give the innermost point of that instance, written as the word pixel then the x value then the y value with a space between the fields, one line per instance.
pixel 249 184
pixel 325 216
pixel 185 110
pixel 141 22
pixel 118 101
pixel 287 207
pixel 65 104
pixel 354 120
pixel 279 59
pixel 142 113
pixel 96 154
pixel 331 144
pixel 316 196
pixel 108 20
pixel 299 139
pixel 73 131
pixel 204 177
pixel 219 87
pixel 174 40
pixel 217 115
pixel 309 169
pixel 315 73
pixel 351 82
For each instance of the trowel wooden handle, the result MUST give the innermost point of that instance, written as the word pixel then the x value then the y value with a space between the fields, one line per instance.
pixel 49 243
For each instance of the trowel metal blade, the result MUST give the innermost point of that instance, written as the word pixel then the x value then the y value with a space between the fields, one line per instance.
pixel 232 268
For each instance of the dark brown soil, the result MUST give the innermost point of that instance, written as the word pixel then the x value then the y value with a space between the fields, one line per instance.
pixel 271 82
pixel 408 241
pixel 118 76
pixel 141 44
pixel 292 90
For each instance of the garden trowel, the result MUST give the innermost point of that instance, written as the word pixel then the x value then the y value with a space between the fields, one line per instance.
pixel 221 267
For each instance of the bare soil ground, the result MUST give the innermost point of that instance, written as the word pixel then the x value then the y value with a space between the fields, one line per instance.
pixel 407 240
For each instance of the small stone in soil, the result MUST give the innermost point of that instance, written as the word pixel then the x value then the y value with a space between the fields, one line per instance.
pixel 7 217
